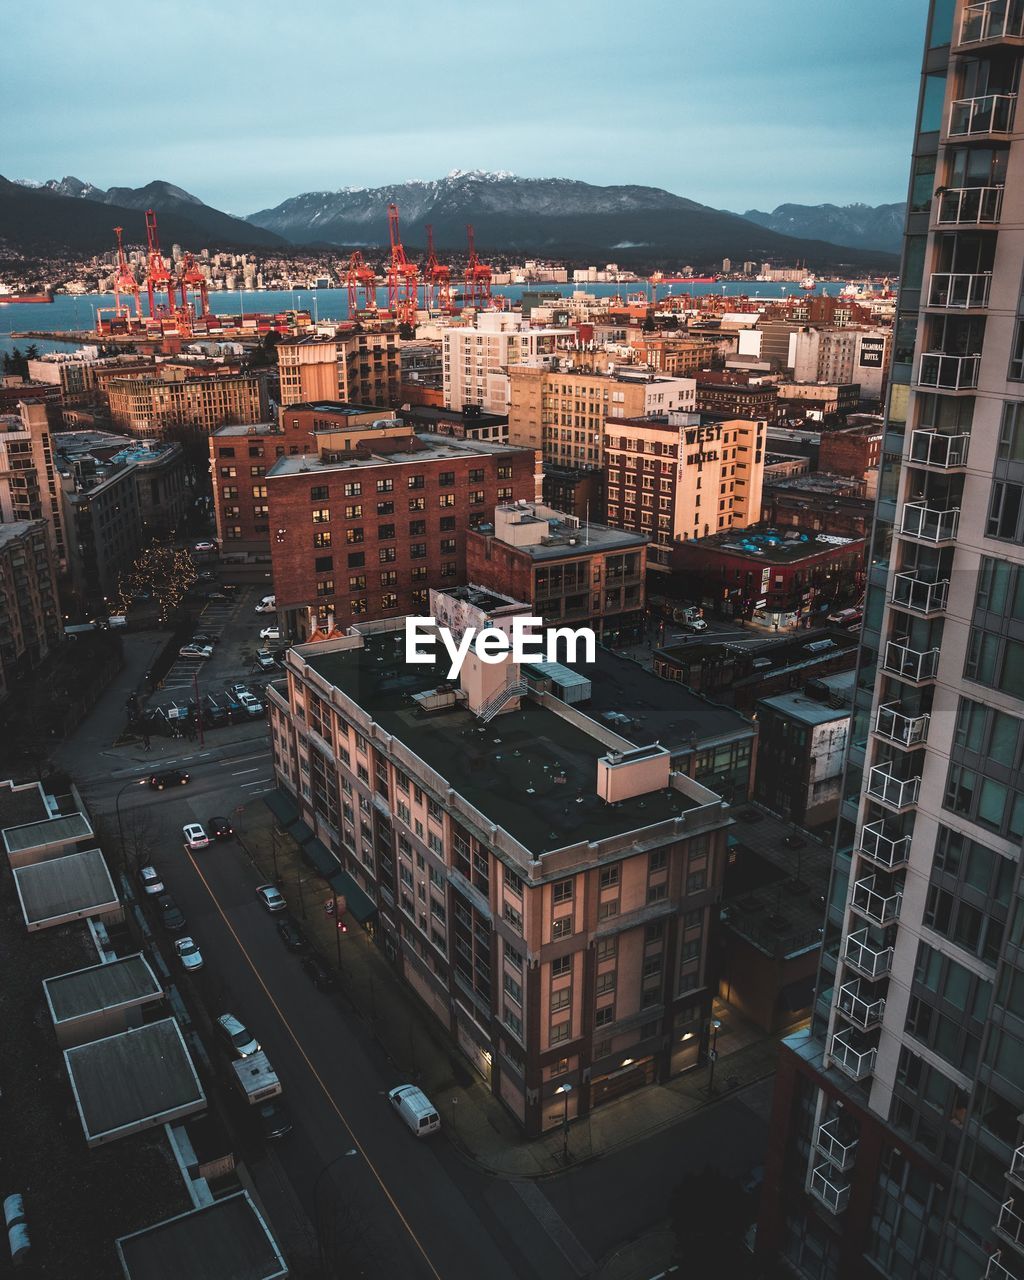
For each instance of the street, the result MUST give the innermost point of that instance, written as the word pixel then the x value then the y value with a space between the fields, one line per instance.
pixel 385 1203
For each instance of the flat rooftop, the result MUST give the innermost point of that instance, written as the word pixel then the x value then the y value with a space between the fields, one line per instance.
pixel 530 771
pixel 340 408
pixel 809 711
pixel 659 710
pixel 432 413
pixel 134 1080
pixel 21 803
pixel 128 980
pixel 16 529
pixel 250 429
pixel 772 546
pixel 430 448
pixel 30 835
pixel 226 1240
pixel 564 539
pixel 73 887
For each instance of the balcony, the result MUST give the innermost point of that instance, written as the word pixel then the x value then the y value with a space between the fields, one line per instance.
pixel 853 1055
pixel 906 731
pixel 995 1269
pixel 839 1149
pixel 933 449
pixel 1010 1225
pixel 1016 1173
pixel 922 596
pixel 864 1013
pixel 868 960
pixel 991 21
pixel 940 372
pixel 930 524
pixel 832 1191
pixel 885 788
pixel 958 291
pixel 969 206
pixel 872 902
pixel 915 666
pixel 884 850
pixel 985 117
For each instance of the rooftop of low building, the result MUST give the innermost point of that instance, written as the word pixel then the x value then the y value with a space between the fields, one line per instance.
pixel 422 449
pixel 771 546
pixel 828 700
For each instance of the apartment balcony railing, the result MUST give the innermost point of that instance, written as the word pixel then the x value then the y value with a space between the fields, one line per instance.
pixel 941 372
pixel 1016 1173
pixel 895 793
pixel 969 206
pixel 830 1142
pixel 991 20
pixel 869 960
pixel 906 731
pixel 851 1056
pixel 995 1269
pixel 873 904
pixel 958 291
pixel 933 449
pixel 860 1005
pixel 915 666
pixel 982 117
pixel 887 851
pixel 930 524
pixel 923 596
pixel 1011 1225
pixel 831 1190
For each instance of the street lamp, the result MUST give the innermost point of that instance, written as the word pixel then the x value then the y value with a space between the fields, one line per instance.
pixel 716 1024
pixel 318 1226
pixel 565 1090
pixel 132 782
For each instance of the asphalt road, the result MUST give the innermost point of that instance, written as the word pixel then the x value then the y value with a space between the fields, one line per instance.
pixel 396 1206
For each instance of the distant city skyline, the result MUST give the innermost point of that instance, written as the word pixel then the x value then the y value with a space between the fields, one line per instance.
pixel 742 107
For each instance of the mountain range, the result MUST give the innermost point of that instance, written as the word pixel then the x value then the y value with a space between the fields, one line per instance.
pixel 550 217
pixel 863 226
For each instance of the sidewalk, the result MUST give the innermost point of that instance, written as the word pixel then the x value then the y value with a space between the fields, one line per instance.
pixel 422 1052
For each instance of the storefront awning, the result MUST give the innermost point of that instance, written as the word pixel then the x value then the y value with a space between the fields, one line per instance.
pixel 320 858
pixel 282 806
pixel 359 904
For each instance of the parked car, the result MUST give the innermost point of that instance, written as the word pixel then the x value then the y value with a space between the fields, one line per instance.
pixel 236 689
pixel 694 625
pixel 291 934
pixel 171 915
pixel 415 1109
pixel 205 638
pixel 189 954
pixel 220 828
pixel 317 972
pixel 273 1119
pixel 196 651
pixel 271 633
pixel 267 605
pixel 195 836
pixel 265 660
pixel 251 705
pixel 205 545
pixel 235 1034
pixel 149 879
pixel 220 594
pixel 169 778
pixel 271 897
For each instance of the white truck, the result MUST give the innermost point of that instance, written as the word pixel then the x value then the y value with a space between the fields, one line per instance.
pixel 256 1078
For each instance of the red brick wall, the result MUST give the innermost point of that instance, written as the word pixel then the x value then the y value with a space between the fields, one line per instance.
pixel 844 453
pixel 293 553
pixel 243 453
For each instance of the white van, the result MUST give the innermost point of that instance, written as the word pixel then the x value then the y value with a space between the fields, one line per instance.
pixel 415 1108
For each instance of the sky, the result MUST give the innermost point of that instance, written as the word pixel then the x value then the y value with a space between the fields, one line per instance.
pixel 738 104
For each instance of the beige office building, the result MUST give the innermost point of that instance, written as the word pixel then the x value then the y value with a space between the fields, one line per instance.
pixel 476 358
pixel 358 367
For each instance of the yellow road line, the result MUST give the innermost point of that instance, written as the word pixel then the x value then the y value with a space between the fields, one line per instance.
pixel 316 1075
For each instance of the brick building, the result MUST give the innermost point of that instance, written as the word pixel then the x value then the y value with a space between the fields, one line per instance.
pixel 545 887
pixel 817 401
pixel 148 406
pixel 470 423
pixel 731 394
pixel 773 578
pixel 818 503
pixel 30 616
pixel 681 475
pixel 566 569
pixel 366 537
pixel 29 484
pixel 240 457
pixel 851 451
pixel 578 491
pixel 357 366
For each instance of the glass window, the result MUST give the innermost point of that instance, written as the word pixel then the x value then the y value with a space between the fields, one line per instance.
pixel 932 100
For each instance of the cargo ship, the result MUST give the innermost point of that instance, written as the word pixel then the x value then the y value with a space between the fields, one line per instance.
pixel 24 297
pixel 658 278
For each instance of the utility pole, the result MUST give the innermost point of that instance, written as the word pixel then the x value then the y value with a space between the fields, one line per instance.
pixel 199 709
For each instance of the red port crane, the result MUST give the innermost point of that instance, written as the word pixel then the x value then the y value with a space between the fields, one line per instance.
pixel 478 275
pixel 191 279
pixel 157 274
pixel 403 276
pixel 361 282
pixel 125 283
pixel 437 280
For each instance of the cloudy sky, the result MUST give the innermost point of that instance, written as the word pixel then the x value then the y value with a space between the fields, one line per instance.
pixel 736 103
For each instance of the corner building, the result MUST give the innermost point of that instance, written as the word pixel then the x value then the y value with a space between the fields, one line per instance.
pixel 897 1146
pixel 544 886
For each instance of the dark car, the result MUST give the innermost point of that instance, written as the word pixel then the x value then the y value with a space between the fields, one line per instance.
pixel 273 1119
pixel 169 778
pixel 171 916
pixel 220 828
pixel 292 935
pixel 318 973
